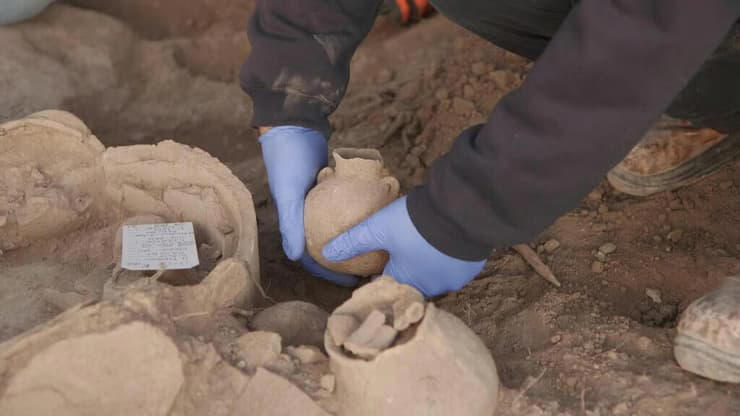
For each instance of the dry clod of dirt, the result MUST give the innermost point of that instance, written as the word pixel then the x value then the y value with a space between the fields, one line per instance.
pixel 551 245
pixel 306 354
pixel 608 248
pixel 298 323
pixel 259 348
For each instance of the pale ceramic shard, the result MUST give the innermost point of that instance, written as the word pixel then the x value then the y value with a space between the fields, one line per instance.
pixel 345 195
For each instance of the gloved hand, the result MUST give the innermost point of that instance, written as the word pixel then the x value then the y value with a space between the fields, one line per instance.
pixel 293 157
pixel 413 260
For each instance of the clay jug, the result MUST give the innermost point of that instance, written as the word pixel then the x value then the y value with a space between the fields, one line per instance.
pixel 344 196
pixel 436 366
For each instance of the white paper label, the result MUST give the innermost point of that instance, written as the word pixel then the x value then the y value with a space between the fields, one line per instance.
pixel 159 247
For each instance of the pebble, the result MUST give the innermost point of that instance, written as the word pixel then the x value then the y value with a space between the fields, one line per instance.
pixel 462 106
pixel 328 381
pixel 442 94
pixel 608 248
pixel 500 78
pixel 241 364
pixel 551 245
pixel 555 339
pixel 306 354
pixel 478 68
pixel 600 256
pixel 597 267
pixel 653 294
pixel 674 235
pixel 596 195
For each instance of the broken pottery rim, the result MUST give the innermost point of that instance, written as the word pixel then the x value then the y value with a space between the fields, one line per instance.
pixel 336 352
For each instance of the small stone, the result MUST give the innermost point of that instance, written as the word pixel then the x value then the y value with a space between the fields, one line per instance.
pixel 442 94
pixel 674 235
pixel 259 348
pixel 603 209
pixel 328 381
pixel 653 294
pixel 555 339
pixel 306 354
pixel 608 248
pixel 478 68
pixel 551 245
pixel 600 256
pixel 597 267
pixel 241 364
pixel 500 78
pixel 596 195
pixel 462 106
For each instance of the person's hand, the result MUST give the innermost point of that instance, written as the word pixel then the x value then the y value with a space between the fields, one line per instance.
pixel 413 260
pixel 293 157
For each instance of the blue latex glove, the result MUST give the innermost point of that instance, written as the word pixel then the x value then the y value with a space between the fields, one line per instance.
pixel 413 260
pixel 293 157
pixel 15 11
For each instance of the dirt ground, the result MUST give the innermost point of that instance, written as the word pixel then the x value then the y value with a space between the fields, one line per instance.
pixel 600 345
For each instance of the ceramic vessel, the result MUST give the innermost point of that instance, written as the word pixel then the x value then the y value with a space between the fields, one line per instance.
pixel 436 366
pixel 344 196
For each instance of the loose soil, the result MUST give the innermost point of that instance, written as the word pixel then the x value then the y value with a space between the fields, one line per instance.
pixel 599 345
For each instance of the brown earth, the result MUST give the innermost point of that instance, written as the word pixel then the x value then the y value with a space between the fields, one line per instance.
pixel 597 346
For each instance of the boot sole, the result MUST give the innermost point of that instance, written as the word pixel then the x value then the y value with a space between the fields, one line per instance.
pixel 687 173
pixel 700 358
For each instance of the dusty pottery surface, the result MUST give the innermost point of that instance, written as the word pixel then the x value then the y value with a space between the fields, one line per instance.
pixel 437 366
pixel 708 339
pixel 69 204
pixel 345 195
pixel 298 323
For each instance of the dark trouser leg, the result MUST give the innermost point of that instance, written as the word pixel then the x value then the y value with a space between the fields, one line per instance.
pixel 525 27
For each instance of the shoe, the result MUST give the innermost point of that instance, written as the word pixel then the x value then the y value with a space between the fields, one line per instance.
pixel 708 340
pixel 673 154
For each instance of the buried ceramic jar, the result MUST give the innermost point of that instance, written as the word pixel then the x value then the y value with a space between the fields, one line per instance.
pixel 392 354
pixel 356 188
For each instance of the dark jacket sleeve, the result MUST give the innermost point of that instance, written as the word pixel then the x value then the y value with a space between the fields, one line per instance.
pixel 609 72
pixel 298 69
